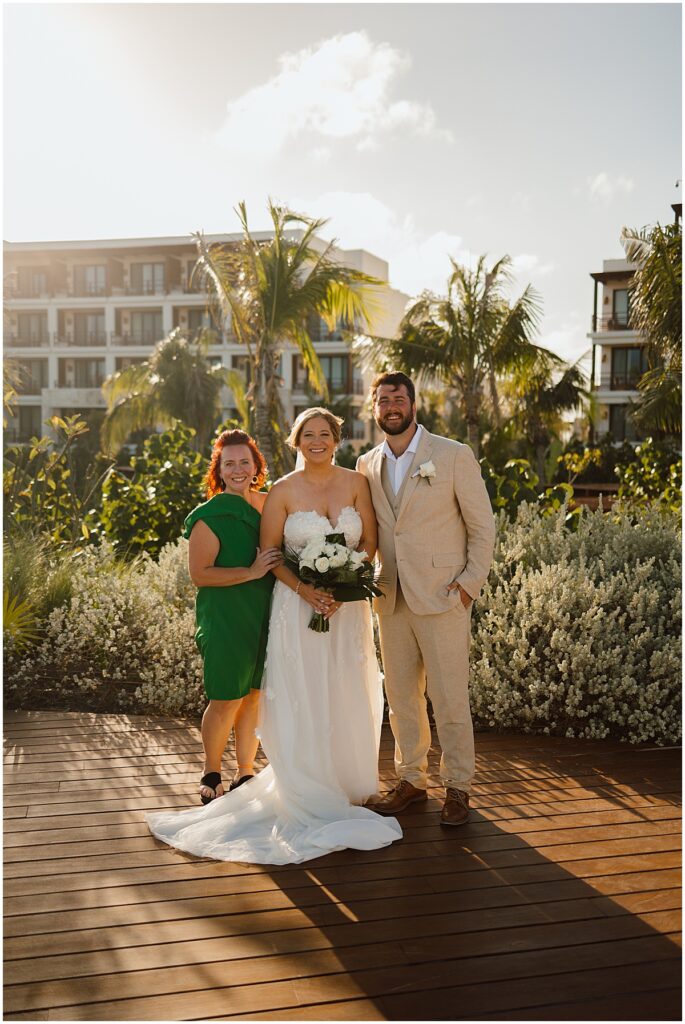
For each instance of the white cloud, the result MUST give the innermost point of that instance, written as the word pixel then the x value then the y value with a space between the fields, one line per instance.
pixel 603 188
pixel 528 265
pixel 338 89
pixel 417 259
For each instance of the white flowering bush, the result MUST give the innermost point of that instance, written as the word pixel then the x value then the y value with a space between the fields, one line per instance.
pixel 124 639
pixel 577 632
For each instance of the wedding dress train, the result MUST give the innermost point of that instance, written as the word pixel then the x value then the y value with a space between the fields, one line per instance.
pixel 320 722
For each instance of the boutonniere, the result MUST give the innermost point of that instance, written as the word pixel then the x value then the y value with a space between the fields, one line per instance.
pixel 425 470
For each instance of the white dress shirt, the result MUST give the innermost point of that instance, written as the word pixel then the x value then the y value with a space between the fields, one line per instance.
pixel 397 467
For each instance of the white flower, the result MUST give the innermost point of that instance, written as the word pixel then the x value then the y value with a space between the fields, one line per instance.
pixel 357 558
pixel 322 564
pixel 425 470
pixel 330 549
pixel 338 559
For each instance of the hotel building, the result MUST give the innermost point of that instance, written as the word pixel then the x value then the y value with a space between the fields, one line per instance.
pixel 618 352
pixel 76 312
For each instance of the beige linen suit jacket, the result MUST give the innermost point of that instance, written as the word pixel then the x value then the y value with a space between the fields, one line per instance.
pixel 436 531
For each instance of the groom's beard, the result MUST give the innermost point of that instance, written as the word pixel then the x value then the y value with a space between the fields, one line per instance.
pixel 398 427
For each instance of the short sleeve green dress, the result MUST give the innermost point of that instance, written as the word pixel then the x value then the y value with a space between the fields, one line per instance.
pixel 232 622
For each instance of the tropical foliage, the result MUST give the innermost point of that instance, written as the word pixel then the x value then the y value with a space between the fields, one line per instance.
pixel 577 632
pixel 656 313
pixel 541 390
pixel 464 340
pixel 143 508
pixel 268 291
pixel 177 382
pixel 41 491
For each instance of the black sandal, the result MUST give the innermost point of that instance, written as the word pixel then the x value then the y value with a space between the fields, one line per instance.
pixel 243 778
pixel 211 780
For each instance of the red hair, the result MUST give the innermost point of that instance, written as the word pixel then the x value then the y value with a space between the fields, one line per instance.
pixel 231 438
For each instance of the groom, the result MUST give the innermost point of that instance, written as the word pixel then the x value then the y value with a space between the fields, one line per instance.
pixel 436 534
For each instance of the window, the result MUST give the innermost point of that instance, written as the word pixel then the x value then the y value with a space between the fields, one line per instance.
pixel 192 282
pixel 33 376
pixel 81 373
pixel 621 307
pixel 336 370
pixel 89 328
pixel 147 278
pixel 621 425
pixel 33 328
pixel 123 362
pixel 90 280
pixel 627 366
pixel 146 327
pixel 32 282
pixel 242 365
pixel 30 422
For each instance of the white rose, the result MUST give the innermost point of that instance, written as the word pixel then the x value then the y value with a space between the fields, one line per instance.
pixel 338 560
pixel 321 564
pixel 330 549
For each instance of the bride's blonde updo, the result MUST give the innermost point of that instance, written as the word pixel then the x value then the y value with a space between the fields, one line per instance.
pixel 334 422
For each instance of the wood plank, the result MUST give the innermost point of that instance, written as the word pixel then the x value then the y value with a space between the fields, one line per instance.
pixel 141 984
pixel 424 937
pixel 570 861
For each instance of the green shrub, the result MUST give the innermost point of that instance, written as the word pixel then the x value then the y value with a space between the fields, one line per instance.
pixel 577 632
pixel 145 509
pixel 653 475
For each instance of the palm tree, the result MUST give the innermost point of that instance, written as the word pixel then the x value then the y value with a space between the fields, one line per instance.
pixel 540 391
pixel 267 290
pixel 464 340
pixel 656 313
pixel 177 382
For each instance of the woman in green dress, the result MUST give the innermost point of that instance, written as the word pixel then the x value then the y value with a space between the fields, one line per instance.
pixel 234 583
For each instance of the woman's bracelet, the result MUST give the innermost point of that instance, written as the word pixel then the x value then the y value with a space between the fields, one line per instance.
pixel 297 588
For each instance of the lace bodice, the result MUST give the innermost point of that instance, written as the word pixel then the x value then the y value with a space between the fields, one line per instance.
pixel 303 527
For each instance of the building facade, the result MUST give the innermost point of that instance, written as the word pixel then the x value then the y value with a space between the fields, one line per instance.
pixel 76 312
pixel 618 352
pixel 619 356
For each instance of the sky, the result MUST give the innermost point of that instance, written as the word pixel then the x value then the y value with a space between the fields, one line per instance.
pixel 421 131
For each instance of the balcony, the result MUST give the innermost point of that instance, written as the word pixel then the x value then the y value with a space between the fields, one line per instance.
pixel 624 381
pixel 93 338
pixel 144 338
pixel 38 340
pixel 146 289
pixel 617 322
pixel 74 395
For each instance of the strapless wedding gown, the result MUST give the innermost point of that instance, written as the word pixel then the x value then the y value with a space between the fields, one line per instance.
pixel 320 724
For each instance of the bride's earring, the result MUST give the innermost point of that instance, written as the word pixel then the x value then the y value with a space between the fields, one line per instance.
pixel 255 479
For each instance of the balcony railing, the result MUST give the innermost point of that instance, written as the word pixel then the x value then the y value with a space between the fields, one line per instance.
pixel 146 289
pixel 617 322
pixel 142 338
pixel 92 338
pixel 28 340
pixel 624 381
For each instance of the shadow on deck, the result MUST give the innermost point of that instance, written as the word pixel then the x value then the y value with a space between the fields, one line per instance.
pixel 559 900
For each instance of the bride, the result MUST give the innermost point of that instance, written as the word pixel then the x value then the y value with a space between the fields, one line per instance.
pixel 322 701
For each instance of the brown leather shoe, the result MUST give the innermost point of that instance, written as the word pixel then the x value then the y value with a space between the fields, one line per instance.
pixel 398 799
pixel 456 808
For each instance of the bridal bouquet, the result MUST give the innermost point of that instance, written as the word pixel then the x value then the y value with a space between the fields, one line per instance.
pixel 331 566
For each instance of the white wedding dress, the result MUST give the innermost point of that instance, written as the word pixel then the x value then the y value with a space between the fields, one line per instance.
pixel 320 725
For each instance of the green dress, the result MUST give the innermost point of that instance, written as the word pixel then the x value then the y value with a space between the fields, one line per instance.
pixel 232 622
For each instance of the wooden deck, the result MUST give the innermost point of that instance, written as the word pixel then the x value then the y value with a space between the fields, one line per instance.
pixel 559 901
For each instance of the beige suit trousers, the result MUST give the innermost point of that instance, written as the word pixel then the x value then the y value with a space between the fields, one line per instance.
pixel 429 653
